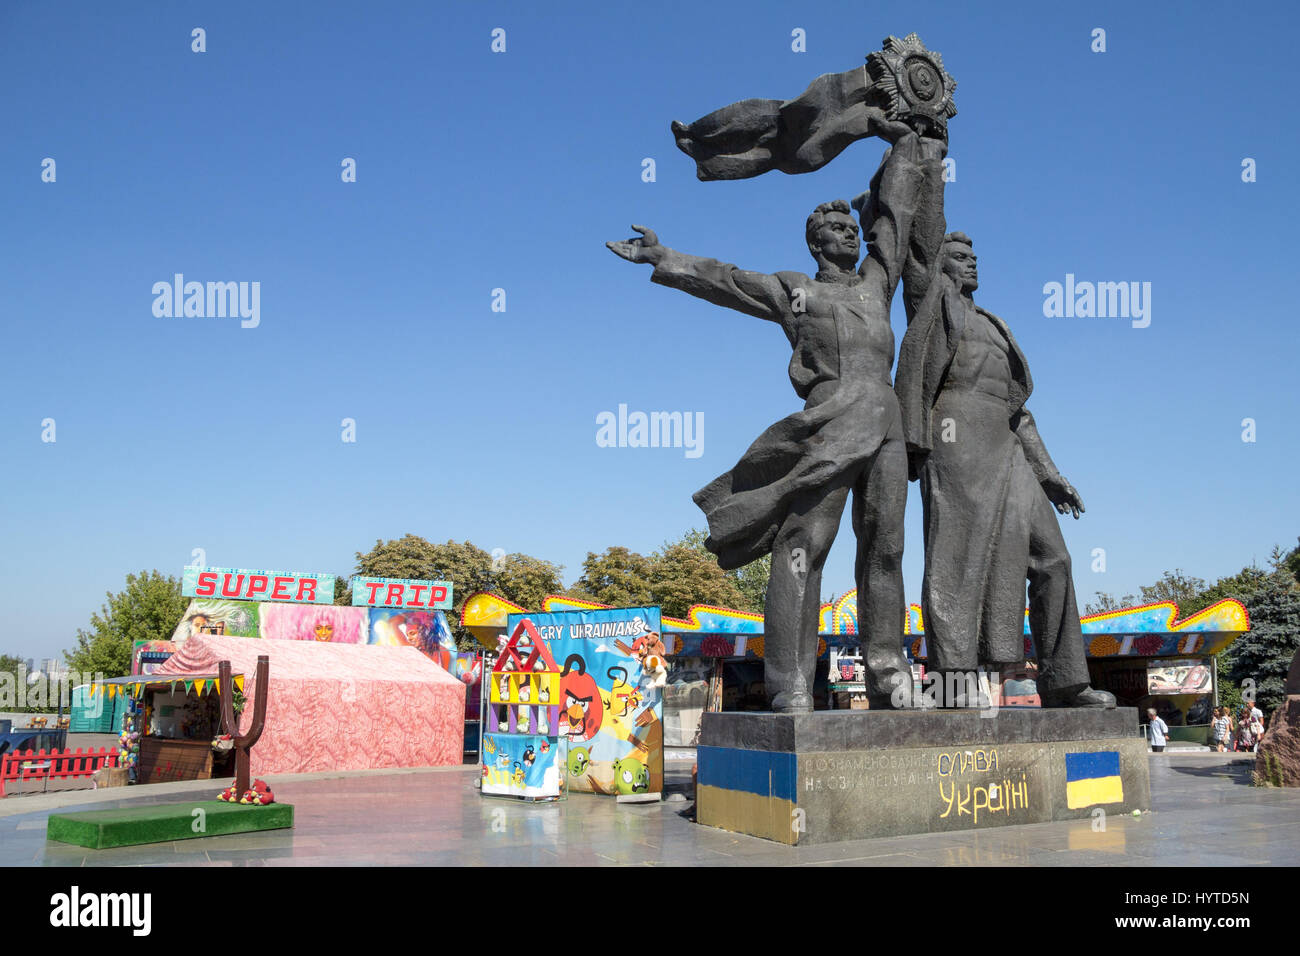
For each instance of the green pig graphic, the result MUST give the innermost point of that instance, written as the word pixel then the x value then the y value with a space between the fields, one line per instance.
pixel 630 776
pixel 579 759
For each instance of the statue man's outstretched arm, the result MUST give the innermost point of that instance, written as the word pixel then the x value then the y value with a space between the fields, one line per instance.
pixel 754 293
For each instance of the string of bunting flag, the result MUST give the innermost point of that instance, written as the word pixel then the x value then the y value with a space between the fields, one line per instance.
pixel 136 688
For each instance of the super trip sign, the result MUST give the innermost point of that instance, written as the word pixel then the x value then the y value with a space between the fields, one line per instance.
pixel 240 585
pixel 401 592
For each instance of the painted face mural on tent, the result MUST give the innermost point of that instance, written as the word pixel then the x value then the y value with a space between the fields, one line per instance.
pixel 147 656
pixel 522 765
pixel 610 713
pixel 326 623
pixel 428 632
pixel 207 616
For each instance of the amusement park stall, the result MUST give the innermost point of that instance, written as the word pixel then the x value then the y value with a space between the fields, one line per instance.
pixel 337 706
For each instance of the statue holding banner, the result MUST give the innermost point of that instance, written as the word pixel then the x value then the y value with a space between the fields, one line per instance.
pixel 788 492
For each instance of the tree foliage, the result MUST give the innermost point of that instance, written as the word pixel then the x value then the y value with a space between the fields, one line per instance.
pixel 617 576
pixel 678 575
pixel 1176 586
pixel 1265 652
pixel 148 609
pixel 1105 601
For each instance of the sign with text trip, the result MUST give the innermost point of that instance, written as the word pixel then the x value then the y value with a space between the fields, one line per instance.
pixel 401 592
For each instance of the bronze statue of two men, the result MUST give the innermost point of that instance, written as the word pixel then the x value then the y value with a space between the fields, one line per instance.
pixel 954 418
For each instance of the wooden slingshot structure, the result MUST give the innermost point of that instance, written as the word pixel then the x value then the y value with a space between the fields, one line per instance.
pixel 230 723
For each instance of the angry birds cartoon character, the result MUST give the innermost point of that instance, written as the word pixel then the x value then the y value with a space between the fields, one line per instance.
pixel 630 776
pixel 621 704
pixel 579 759
pixel 546 746
pixel 258 795
pixel 583 709
pixel 647 644
pixel 519 775
pixel 530 755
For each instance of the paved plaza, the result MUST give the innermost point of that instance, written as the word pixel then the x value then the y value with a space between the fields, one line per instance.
pixel 1205 812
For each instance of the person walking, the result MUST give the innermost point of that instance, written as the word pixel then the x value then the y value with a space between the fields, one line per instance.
pixel 1159 731
pixel 1245 738
pixel 1254 717
pixel 1221 730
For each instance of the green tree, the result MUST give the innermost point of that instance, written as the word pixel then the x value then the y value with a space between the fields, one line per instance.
pixel 342 591
pixel 618 577
pixel 1240 586
pixel 1264 653
pixel 524 579
pixel 1174 586
pixel 681 576
pixel 750 580
pixel 1105 601
pixel 148 609
pixel 1292 562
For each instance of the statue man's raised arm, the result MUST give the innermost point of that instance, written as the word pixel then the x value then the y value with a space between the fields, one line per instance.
pixel 895 198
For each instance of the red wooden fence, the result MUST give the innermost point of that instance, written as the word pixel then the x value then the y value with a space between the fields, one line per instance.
pixel 56 764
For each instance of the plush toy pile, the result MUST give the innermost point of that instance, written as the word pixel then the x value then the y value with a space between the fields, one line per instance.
pixel 259 795
pixel 129 748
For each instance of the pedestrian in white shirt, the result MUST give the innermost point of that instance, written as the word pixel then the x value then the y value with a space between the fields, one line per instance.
pixel 1159 731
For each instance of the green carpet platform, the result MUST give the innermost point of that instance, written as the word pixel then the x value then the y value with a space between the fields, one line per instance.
pixel 161 823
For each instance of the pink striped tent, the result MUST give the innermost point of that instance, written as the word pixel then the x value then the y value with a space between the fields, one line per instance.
pixel 338 706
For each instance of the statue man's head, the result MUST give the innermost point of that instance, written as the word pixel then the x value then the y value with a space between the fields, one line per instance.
pixel 959 261
pixel 833 236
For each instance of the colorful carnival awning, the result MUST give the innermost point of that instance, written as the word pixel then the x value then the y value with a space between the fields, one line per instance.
pixel 1150 630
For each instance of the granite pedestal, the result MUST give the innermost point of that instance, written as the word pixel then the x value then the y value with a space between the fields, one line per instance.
pixel 850 775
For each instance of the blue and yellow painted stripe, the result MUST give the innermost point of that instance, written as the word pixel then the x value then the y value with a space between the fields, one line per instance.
pixel 1092 779
pixel 747 791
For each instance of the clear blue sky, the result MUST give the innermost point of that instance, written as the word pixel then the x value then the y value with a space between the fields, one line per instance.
pixel 479 170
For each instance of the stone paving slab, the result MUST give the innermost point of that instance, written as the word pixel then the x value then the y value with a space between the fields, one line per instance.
pixel 1205 812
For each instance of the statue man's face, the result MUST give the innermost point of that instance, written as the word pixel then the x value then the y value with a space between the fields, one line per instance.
pixel 837 239
pixel 959 265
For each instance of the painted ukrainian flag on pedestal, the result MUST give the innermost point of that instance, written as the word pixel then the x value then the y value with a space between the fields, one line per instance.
pixel 1092 778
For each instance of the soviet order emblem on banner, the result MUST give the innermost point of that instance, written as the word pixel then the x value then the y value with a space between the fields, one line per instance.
pixel 912 83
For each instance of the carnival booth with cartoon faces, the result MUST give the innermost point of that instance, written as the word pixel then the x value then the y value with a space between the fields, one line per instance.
pixel 607 697
pixel 524 752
